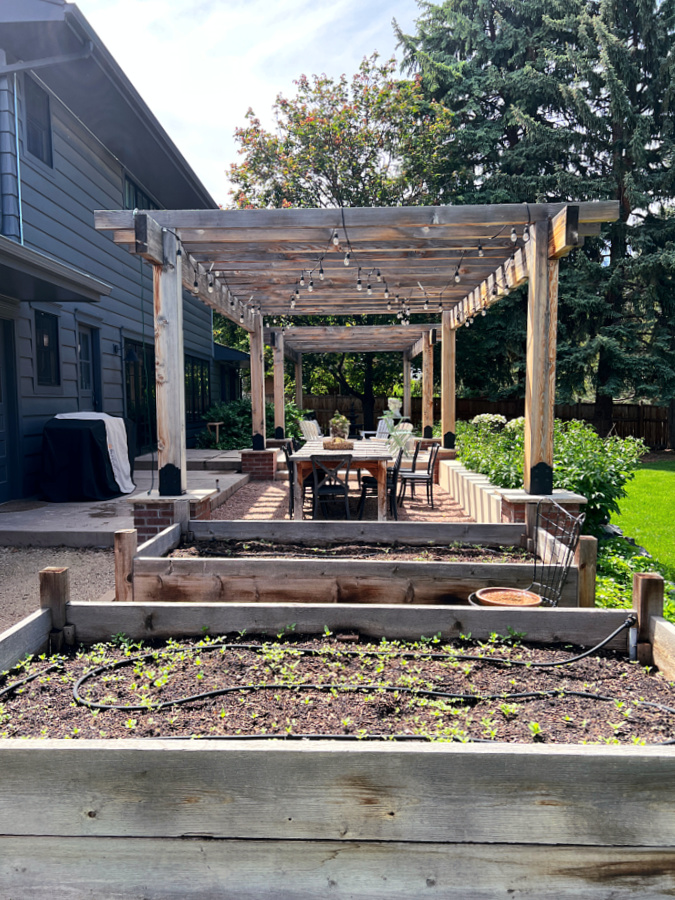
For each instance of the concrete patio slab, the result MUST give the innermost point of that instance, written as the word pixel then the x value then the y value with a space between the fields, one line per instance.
pixel 36 523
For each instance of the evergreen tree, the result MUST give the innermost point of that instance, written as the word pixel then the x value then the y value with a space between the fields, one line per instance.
pixel 567 101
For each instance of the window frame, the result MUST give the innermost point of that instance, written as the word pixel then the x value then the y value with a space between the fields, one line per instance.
pixel 197 388
pixel 50 387
pixel 43 126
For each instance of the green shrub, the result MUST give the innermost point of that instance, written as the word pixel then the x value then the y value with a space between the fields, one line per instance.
pixel 236 431
pixel 583 463
pixel 618 561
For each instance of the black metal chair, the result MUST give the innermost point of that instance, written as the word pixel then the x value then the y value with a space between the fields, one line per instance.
pixel 368 483
pixel 555 539
pixel 307 482
pixel 412 477
pixel 331 481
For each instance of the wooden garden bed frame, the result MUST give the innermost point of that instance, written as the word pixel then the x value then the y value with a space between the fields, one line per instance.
pixel 274 819
pixel 146 575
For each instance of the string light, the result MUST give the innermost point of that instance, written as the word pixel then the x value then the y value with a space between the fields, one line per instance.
pixel 359 286
pixel 210 287
pixel 458 277
pixel 481 252
pixel 320 272
pixel 378 275
pixel 389 305
pixel 369 289
pixel 302 279
pixel 347 255
pixel 297 292
pixel 336 238
pixel 514 235
pixel 310 286
pixel 483 312
pixel 386 291
pixel 195 286
pixel 526 234
pixel 426 304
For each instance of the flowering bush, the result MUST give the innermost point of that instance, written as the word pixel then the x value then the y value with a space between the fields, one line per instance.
pixel 583 462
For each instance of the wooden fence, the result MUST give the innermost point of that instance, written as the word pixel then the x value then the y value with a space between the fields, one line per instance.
pixel 628 419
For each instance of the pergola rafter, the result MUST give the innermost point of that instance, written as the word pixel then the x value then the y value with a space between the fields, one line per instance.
pixel 452 261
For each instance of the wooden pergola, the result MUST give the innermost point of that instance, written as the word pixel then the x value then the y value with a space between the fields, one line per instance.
pixel 408 340
pixel 454 261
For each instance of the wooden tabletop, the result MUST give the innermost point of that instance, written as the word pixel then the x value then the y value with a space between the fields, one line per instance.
pixel 363 450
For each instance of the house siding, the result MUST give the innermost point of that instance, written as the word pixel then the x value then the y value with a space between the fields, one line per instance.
pixel 58 205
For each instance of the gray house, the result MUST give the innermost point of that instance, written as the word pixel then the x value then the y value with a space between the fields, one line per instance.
pixel 76 316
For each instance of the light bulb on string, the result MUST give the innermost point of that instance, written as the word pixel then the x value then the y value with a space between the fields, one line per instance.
pixel 378 275
pixel 302 279
pixel 310 286
pixel 389 305
pixel 514 235
pixel 386 291
pixel 369 289
pixel 482 312
pixel 346 260
pixel 481 252
pixel 320 272
pixel 336 238
pixel 241 317
pixel 359 286
pixel 297 292
pixel 210 287
pixel 458 277
pixel 526 234
pixel 195 286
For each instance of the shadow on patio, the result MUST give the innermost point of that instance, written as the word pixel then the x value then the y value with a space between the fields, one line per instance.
pixel 269 500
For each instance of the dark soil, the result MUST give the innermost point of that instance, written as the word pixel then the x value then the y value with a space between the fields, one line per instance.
pixel 270 549
pixel 339 686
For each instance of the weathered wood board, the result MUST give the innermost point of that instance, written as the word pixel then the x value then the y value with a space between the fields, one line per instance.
pixel 26 637
pixel 585 627
pixel 175 869
pixel 247 580
pixel 321 533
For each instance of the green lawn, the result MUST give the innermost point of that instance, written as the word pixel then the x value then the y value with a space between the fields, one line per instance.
pixel 648 512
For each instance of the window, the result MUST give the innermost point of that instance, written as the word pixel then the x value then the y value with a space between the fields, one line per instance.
pixel 38 122
pixel 47 349
pixel 197 388
pixel 135 198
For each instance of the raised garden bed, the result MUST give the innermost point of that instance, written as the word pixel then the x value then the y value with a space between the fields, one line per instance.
pixel 155 577
pixel 258 818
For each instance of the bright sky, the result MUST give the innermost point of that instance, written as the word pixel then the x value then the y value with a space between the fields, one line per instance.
pixel 200 64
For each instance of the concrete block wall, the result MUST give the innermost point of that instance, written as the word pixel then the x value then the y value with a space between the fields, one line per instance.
pixel 486 503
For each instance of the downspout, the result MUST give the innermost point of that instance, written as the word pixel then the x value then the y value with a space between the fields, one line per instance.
pixel 18 161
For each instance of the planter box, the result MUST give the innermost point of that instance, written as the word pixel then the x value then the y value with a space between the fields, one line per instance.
pixel 212 580
pixel 485 502
pixel 267 819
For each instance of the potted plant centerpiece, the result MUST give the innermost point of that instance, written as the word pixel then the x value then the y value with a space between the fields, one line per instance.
pixel 339 432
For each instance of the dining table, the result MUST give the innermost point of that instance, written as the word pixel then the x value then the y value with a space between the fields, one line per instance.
pixel 371 455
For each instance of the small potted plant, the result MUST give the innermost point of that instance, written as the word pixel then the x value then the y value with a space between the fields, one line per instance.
pixel 339 432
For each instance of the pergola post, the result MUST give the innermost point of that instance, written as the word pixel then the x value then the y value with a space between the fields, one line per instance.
pixel 299 399
pixel 407 366
pixel 448 363
pixel 427 385
pixel 257 384
pixel 170 369
pixel 542 323
pixel 279 410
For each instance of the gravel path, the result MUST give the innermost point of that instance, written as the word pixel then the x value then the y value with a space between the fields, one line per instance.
pixel 92 573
